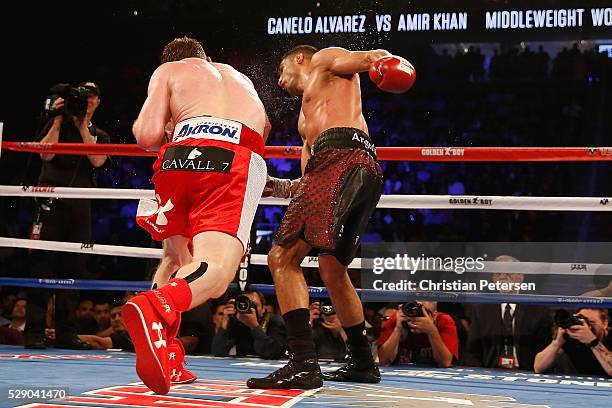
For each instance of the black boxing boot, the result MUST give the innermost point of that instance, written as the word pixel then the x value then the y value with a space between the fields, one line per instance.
pixel 355 370
pixel 303 375
pixel 360 366
pixel 302 371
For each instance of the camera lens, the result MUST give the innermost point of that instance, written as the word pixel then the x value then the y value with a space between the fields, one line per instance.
pixel 562 318
pixel 243 304
pixel 327 310
pixel 413 309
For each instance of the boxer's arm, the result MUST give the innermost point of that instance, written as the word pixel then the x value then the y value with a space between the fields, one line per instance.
pixel 155 113
pixel 306 153
pixel 344 62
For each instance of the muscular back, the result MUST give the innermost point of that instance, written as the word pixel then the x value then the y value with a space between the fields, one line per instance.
pixel 330 100
pixel 198 87
pixel 194 87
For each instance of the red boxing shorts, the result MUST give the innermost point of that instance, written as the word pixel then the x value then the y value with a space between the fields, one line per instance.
pixel 208 178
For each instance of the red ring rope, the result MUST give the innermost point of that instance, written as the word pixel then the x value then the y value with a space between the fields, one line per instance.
pixel 449 154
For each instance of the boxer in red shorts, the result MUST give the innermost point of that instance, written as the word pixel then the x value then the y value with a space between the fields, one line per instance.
pixel 331 204
pixel 208 179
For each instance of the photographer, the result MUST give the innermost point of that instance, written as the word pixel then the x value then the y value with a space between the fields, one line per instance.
pixel 68 220
pixel 581 346
pixel 248 327
pixel 418 333
pixel 329 337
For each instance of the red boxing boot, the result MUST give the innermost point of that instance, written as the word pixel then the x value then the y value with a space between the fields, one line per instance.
pixel 149 317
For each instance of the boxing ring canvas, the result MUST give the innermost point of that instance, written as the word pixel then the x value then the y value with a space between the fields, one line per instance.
pixel 108 379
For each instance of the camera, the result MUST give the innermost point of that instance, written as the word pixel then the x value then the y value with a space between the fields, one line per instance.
pixel 565 319
pixel 413 309
pixel 243 304
pixel 327 310
pixel 75 101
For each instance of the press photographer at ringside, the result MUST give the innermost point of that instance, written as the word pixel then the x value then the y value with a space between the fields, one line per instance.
pixel 417 333
pixel 582 345
pixel 69 111
pixel 247 328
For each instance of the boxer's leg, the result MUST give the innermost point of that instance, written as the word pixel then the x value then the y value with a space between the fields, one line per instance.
pixel 361 366
pixel 302 371
pixel 216 257
pixel 176 254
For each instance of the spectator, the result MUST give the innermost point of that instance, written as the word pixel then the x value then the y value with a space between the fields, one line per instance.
pixel 254 333
pixel 430 339
pixel 12 332
pixel 18 315
pixel 219 316
pixel 507 335
pixel 85 321
pixel 102 316
pixel 329 337
pixel 583 348
pixel 118 336
pixel 85 308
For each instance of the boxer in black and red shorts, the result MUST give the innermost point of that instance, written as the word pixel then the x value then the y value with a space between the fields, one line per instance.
pixel 331 204
pixel 337 195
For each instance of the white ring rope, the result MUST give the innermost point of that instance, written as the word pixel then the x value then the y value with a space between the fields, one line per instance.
pixel 531 268
pixel 396 201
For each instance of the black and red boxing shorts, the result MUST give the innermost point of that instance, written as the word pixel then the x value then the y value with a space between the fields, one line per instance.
pixel 208 178
pixel 337 195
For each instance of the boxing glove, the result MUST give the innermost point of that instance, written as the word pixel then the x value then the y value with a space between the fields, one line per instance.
pixel 392 74
pixel 276 187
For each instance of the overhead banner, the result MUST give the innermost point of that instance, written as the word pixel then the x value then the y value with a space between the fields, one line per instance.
pixel 595 22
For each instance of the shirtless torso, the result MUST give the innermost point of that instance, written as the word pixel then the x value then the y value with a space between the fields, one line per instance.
pixel 195 87
pixel 329 100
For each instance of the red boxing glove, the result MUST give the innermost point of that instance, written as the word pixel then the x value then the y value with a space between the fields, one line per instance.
pixel 392 74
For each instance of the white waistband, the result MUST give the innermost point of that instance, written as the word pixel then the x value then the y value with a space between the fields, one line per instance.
pixel 208 127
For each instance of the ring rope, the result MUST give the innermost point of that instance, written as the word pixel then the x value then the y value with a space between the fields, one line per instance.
pixel 394 201
pixel 527 268
pixel 366 295
pixel 437 154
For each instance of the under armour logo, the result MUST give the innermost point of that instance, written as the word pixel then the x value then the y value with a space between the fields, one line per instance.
pixel 161 217
pixel 158 327
pixel 604 201
pixel 193 154
pixel 173 284
pixel 176 376
pixel 172 356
